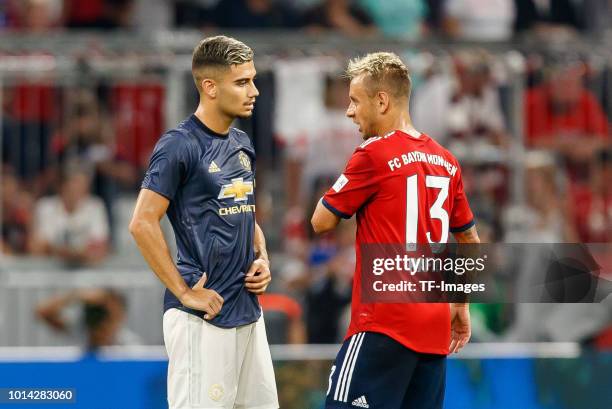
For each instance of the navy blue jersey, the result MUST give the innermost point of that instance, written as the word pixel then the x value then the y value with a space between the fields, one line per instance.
pixel 210 181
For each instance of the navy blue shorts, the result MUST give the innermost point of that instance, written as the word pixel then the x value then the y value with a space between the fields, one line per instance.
pixel 374 371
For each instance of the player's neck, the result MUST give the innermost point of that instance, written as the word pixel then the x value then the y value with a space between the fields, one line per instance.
pixel 400 122
pixel 215 121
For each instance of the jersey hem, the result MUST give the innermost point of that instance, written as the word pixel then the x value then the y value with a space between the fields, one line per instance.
pixel 200 314
pixel 334 210
pixel 396 337
pixel 158 191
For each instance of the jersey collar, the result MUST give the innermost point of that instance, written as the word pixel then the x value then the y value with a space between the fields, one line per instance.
pixel 414 134
pixel 206 129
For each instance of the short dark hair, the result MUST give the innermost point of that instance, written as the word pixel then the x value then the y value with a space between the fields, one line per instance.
pixel 218 52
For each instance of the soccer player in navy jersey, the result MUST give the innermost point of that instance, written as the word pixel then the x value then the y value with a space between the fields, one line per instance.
pixel 202 175
pixel 405 188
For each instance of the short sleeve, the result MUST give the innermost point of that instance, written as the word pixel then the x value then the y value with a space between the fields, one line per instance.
pixel 461 214
pixel 353 188
pixel 168 165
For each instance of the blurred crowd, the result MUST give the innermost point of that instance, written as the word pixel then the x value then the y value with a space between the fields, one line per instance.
pixel 475 20
pixel 70 152
pixel 67 154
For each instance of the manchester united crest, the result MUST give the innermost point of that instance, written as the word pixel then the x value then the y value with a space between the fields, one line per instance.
pixel 245 161
pixel 215 392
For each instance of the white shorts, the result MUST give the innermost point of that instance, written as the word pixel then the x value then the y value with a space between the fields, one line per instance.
pixel 212 367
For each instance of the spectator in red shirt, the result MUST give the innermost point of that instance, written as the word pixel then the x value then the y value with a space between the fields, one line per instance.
pixel 80 13
pixel 99 14
pixel 592 204
pixel 562 115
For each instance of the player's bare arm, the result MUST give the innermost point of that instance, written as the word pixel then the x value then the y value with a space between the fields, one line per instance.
pixel 468 236
pixel 323 220
pixel 50 311
pixel 146 229
pixel 461 328
pixel 258 277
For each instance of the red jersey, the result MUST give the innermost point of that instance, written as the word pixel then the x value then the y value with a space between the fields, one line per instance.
pixel 139 119
pixel 404 189
pixel 592 214
pixel 585 118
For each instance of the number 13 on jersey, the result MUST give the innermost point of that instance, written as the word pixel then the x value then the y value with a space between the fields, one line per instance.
pixel 436 211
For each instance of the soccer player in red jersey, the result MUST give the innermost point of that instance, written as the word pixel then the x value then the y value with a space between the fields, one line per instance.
pixel 404 188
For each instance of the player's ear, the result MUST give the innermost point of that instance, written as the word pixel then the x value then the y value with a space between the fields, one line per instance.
pixel 209 87
pixel 382 101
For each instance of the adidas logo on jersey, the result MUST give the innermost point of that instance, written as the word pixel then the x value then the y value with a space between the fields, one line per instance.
pixel 213 167
pixel 361 402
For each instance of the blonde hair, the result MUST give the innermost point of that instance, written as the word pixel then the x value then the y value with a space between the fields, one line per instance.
pixel 384 70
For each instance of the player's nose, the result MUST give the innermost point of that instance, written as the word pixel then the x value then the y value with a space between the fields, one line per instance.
pixel 254 92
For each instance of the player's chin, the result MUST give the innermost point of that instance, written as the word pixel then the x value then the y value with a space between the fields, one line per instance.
pixel 245 113
pixel 366 135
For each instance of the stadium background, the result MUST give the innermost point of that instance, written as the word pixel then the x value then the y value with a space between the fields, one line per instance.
pixel 520 91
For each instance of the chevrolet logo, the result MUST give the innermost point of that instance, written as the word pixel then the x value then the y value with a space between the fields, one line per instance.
pixel 238 189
